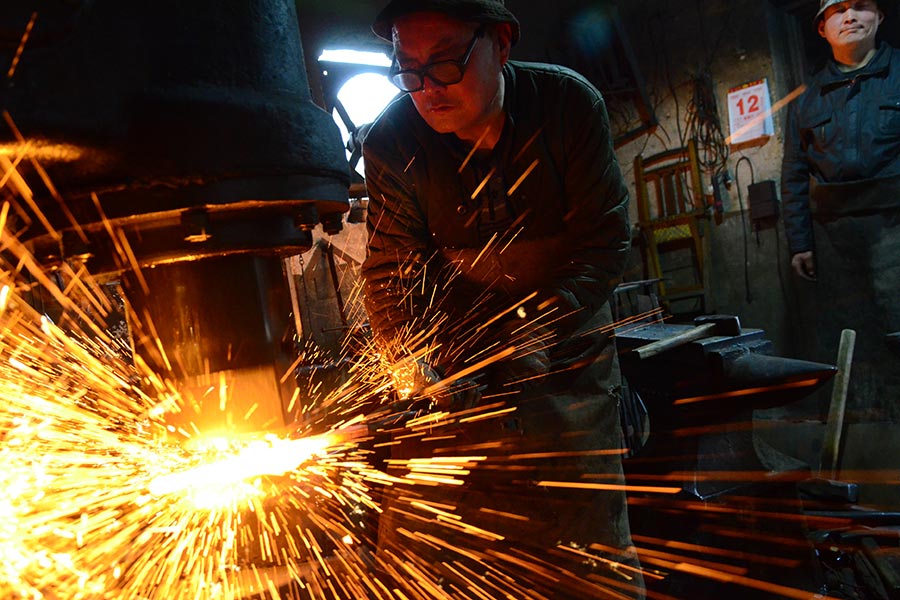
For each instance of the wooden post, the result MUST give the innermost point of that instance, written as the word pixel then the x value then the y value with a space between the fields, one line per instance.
pixel 832 442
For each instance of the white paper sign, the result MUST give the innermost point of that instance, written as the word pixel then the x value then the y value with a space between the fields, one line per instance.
pixel 749 112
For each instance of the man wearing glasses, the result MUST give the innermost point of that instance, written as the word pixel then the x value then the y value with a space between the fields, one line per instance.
pixel 498 227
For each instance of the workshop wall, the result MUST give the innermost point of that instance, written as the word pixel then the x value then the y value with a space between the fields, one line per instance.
pixel 675 44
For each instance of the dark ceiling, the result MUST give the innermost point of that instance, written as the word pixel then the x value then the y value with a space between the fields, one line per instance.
pixel 339 24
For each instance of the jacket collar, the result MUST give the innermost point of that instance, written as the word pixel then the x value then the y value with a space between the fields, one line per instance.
pixel 880 63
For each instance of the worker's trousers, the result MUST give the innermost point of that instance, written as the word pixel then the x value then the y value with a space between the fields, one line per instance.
pixel 858 268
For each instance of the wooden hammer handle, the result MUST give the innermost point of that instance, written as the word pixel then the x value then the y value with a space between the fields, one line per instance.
pixel 679 339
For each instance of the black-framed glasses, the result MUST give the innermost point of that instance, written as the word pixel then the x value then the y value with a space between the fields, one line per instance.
pixel 442 72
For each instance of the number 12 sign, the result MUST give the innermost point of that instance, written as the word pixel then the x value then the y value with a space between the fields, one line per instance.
pixel 749 112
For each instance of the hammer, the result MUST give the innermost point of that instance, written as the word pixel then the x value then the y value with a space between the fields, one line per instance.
pixel 704 326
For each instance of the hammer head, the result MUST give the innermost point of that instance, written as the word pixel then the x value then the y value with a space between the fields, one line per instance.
pixel 724 324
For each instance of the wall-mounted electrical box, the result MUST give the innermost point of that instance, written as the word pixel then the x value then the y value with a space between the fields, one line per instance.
pixel 763 204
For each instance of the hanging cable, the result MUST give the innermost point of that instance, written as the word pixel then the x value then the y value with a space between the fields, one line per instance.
pixel 704 125
pixel 737 183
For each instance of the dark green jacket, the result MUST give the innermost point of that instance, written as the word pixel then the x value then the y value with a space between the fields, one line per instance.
pixel 452 244
pixel 463 240
pixel 843 135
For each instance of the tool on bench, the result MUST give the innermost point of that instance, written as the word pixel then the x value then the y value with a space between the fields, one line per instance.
pixel 704 326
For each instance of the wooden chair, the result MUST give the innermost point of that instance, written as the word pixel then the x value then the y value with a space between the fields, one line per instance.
pixel 672 217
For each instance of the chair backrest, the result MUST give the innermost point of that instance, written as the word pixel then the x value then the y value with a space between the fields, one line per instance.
pixel 668 184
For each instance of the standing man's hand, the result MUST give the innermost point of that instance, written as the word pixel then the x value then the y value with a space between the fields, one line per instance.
pixel 804 265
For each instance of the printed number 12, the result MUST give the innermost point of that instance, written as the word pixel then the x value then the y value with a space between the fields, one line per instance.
pixel 752 104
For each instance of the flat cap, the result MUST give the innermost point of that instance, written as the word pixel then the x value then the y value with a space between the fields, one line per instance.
pixel 824 4
pixel 476 11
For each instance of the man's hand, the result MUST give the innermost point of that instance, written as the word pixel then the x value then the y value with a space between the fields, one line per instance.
pixel 412 377
pixel 530 362
pixel 418 380
pixel 522 372
pixel 804 265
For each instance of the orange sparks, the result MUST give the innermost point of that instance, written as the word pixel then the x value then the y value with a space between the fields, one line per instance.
pixel 610 487
pixel 21 48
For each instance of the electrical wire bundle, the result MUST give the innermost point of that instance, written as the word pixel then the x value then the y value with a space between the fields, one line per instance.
pixel 704 126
